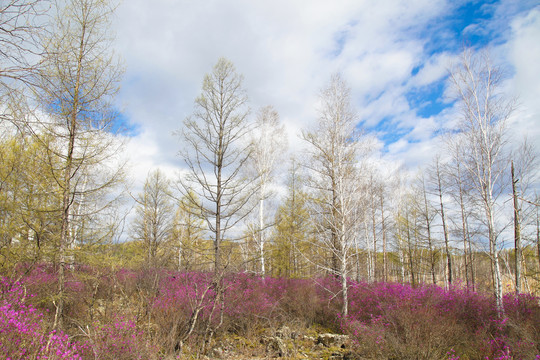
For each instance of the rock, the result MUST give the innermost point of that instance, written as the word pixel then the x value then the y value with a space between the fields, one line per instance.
pixel 275 345
pixel 332 340
pixel 336 356
pixel 310 338
pixel 284 332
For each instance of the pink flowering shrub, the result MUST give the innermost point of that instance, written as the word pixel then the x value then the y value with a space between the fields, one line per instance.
pixel 119 339
pixel 298 300
pixel 398 321
pixel 147 314
pixel 181 295
pixel 23 333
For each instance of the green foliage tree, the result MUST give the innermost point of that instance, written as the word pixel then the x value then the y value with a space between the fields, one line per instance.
pixel 28 203
pixel 154 211
pixel 293 230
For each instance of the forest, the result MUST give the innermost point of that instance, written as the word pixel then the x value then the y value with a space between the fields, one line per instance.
pixel 252 251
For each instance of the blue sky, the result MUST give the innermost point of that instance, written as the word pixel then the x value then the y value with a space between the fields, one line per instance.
pixel 393 54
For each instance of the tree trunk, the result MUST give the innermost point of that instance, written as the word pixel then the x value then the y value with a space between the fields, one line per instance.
pixel 428 228
pixel 538 236
pixel 410 253
pixel 517 232
pixel 496 271
pixel 385 261
pixel 374 233
pixel 261 234
pixel 66 196
pixel 445 229
pixel 464 227
pixel 344 288
pixel 217 240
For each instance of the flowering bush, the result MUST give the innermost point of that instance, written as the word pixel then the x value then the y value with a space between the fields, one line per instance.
pixel 157 307
pixel 23 332
pixel 117 340
pixel 399 321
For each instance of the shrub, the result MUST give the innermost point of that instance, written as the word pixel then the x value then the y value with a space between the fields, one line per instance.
pixel 23 331
pixel 399 321
pixel 119 339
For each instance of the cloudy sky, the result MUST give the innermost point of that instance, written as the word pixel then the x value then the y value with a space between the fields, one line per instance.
pixel 393 54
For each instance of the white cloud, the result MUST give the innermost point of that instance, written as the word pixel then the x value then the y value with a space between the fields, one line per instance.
pixel 524 53
pixel 434 69
pixel 286 51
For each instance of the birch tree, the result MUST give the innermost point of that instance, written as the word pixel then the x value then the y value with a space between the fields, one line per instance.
pixel 334 178
pixel 484 113
pixel 187 236
pixel 268 141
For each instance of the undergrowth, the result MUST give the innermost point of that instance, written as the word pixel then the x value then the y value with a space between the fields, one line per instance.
pixel 150 314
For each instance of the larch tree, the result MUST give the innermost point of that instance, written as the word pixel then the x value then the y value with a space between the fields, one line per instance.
pixel 28 202
pixel 78 82
pixel 293 229
pixel 333 156
pixel 484 113
pixel 154 215
pixel 21 54
pixel 217 148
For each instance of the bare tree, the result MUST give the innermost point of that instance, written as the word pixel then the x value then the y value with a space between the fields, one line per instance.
pixel 187 236
pixel 436 183
pixel 268 144
pixel 407 237
pixel 334 176
pixel 524 175
pixel 373 187
pixel 517 231
pixel 424 209
pixel 217 148
pixel 460 190
pixel 382 196
pixel 483 125
pixel 21 22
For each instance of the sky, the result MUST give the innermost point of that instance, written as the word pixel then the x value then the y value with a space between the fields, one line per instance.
pixel 394 55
